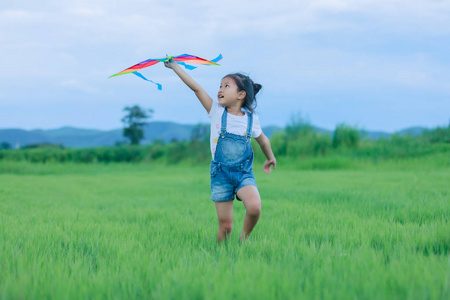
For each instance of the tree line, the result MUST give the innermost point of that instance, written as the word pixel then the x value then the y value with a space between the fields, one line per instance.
pixel 296 141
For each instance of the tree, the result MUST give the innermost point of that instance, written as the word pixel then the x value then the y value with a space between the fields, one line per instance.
pixel 134 121
pixel 5 145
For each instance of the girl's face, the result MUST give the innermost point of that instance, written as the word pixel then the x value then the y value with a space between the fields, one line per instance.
pixel 229 93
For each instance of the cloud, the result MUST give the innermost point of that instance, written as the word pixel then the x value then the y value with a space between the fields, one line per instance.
pixel 320 46
pixel 86 12
pixel 19 15
pixel 115 21
pixel 159 26
pixel 75 84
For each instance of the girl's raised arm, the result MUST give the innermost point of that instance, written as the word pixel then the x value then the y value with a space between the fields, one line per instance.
pixel 201 94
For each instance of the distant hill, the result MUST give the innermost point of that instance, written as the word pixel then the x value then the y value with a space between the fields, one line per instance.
pixel 373 135
pixel 166 131
pixel 270 130
pixel 76 137
pixel 83 138
pixel 412 131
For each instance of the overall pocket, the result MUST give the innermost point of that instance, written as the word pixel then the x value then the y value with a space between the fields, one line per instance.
pixel 233 149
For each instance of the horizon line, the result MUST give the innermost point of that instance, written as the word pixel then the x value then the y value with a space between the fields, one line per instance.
pixel 205 123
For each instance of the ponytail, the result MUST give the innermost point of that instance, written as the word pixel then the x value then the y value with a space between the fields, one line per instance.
pixel 256 87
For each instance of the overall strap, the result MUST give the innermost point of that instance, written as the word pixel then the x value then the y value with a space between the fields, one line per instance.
pixel 249 125
pixel 223 128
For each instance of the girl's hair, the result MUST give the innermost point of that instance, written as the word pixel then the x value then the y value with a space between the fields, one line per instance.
pixel 244 83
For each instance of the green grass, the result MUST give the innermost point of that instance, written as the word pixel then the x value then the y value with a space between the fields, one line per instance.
pixel 331 230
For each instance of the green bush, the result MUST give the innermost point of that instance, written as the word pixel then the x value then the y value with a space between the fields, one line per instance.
pixel 299 139
pixel 439 135
pixel 345 135
pixel 310 144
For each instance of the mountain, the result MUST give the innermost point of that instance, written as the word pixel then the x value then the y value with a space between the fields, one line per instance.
pixel 18 137
pixel 414 131
pixel 165 131
pixel 270 130
pixel 83 138
pixel 76 137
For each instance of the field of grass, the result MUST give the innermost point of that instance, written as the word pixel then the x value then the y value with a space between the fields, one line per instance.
pixel 328 230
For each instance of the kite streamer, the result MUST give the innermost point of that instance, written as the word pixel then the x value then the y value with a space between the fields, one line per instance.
pixel 185 60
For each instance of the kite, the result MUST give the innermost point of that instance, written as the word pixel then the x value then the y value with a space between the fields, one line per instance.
pixel 180 59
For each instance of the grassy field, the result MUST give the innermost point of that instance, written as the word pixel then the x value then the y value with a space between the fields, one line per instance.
pixel 330 230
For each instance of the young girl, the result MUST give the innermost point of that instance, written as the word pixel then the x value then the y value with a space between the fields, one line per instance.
pixel 232 126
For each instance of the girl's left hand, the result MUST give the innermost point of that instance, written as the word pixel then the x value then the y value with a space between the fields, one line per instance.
pixel 268 163
pixel 169 64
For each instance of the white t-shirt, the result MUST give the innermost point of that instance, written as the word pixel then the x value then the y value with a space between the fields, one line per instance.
pixel 235 124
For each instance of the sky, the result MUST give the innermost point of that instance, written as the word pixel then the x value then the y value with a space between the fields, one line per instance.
pixel 376 65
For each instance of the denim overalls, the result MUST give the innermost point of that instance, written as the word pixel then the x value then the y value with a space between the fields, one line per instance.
pixel 231 168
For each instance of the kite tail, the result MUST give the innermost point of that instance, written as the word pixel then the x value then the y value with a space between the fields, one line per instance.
pixel 142 76
pixel 189 67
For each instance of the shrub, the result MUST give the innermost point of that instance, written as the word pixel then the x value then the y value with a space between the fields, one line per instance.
pixel 345 135
pixel 439 135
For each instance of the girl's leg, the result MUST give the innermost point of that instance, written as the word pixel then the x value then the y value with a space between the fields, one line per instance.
pixel 252 201
pixel 225 216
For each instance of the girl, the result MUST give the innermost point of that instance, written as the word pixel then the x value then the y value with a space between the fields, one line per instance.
pixel 232 126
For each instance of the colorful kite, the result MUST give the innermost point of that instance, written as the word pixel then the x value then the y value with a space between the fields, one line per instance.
pixel 180 59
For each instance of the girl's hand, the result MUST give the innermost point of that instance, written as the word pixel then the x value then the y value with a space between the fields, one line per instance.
pixel 169 64
pixel 268 163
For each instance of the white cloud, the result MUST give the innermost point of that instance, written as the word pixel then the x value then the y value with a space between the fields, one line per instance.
pixel 75 84
pixel 18 16
pixel 146 20
pixel 160 25
pixel 86 12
